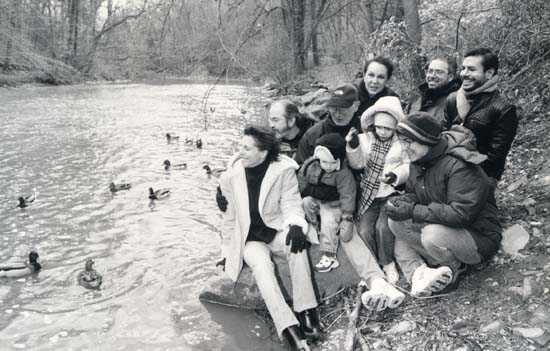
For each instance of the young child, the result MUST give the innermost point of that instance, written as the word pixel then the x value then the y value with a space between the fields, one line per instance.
pixel 378 155
pixel 328 188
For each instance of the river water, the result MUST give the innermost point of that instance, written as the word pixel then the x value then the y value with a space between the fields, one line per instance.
pixel 68 143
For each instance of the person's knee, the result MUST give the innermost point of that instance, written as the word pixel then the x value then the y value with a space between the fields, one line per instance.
pixel 432 236
pixel 256 259
pixel 397 228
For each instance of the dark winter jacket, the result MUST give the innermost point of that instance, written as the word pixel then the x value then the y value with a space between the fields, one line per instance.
pixel 364 98
pixel 433 101
pixel 494 123
pixel 311 175
pixel 451 189
pixel 289 147
pixel 309 140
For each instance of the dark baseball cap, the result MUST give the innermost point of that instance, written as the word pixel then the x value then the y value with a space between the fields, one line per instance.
pixel 343 96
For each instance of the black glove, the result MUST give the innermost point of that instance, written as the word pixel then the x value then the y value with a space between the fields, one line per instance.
pixel 354 142
pixel 221 263
pixel 221 200
pixel 399 209
pixel 298 238
pixel 390 177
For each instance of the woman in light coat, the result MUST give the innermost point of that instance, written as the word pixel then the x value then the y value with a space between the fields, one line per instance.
pixel 264 216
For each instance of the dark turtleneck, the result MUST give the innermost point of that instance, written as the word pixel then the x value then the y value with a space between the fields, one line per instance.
pixel 258 231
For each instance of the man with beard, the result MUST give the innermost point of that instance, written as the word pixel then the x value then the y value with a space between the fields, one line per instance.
pixel 288 124
pixel 478 106
pixel 376 74
pixel 342 105
pixel 440 82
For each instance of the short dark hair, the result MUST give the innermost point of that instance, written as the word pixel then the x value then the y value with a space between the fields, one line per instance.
pixel 381 60
pixel 488 58
pixel 265 139
pixel 451 63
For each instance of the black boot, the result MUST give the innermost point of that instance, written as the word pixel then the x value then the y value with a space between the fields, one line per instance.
pixel 309 323
pixel 295 338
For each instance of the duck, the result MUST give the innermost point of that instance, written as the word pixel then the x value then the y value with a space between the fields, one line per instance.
pixel 212 109
pixel 21 269
pixel 216 172
pixel 89 278
pixel 198 143
pixel 158 194
pixel 118 187
pixel 170 137
pixel 25 201
pixel 188 141
pixel 167 165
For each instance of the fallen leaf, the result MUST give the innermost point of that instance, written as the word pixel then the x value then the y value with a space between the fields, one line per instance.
pixel 402 327
pixel 514 239
pixel 492 327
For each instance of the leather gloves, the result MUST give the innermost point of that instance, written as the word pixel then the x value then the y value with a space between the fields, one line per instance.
pixel 352 138
pixel 221 200
pixel 399 208
pixel 346 229
pixel 221 263
pixel 298 238
pixel 389 178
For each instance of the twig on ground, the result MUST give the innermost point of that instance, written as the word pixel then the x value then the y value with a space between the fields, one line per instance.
pixel 330 296
pixel 336 320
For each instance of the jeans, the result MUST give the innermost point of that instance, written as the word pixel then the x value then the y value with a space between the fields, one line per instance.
pixel 362 259
pixel 373 228
pixel 257 255
pixel 436 244
pixel 331 214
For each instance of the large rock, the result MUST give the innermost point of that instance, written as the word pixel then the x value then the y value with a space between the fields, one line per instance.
pixel 245 294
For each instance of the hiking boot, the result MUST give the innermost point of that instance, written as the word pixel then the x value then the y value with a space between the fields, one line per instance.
pixel 382 295
pixel 295 339
pixel 391 273
pixel 458 273
pixel 326 264
pixel 309 323
pixel 426 281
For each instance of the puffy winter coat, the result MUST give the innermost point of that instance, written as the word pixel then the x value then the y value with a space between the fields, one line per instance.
pixel 452 190
pixel 433 101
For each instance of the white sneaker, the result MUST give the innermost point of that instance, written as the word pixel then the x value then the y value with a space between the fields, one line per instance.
pixel 426 281
pixel 391 273
pixel 326 264
pixel 382 295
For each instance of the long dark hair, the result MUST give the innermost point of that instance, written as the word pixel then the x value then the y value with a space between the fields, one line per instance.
pixel 264 139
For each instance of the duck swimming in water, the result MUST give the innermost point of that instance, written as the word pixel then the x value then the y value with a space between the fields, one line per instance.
pixel 170 137
pixel 21 269
pixel 118 187
pixel 213 172
pixel 158 194
pixel 89 278
pixel 25 201
pixel 188 141
pixel 198 143
pixel 167 165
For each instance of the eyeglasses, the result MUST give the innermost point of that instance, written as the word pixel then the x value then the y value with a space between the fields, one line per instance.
pixel 406 141
pixel 437 72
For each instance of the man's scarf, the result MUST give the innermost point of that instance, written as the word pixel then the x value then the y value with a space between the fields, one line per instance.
pixel 463 98
pixel 370 178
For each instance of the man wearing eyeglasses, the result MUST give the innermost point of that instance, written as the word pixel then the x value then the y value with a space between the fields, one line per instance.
pixel 440 81
pixel 447 220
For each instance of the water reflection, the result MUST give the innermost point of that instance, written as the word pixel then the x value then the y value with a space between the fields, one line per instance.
pixel 69 143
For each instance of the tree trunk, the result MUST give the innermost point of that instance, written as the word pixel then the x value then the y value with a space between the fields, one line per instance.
pixel 412 21
pixel 314 44
pixel 369 18
pixel 72 38
pixel 299 37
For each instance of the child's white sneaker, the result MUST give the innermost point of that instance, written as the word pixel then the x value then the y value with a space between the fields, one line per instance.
pixel 391 272
pixel 382 295
pixel 326 264
pixel 426 281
